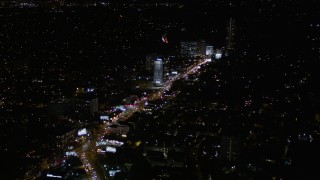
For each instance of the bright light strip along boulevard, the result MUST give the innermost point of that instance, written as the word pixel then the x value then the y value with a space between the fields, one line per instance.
pixel 128 113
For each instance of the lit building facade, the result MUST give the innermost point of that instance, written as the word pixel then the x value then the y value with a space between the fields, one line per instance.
pixel 158 72
pixel 209 50
pixel 218 54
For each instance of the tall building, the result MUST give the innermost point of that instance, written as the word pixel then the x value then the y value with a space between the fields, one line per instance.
pixel 158 72
pixel 230 34
pixel 149 61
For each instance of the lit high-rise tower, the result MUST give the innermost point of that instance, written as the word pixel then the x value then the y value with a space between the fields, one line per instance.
pixel 230 34
pixel 158 72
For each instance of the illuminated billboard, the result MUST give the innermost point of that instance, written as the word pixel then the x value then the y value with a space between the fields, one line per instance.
pixel 82 132
pixel 71 153
pixel 109 142
pixel 120 107
pixel 113 172
pixel 104 118
pixel 55 176
pixel 218 56
pixel 111 149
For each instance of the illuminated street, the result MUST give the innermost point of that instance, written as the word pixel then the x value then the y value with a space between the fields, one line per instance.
pixel 87 149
